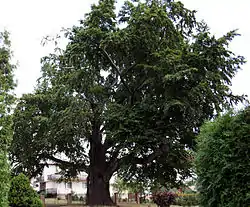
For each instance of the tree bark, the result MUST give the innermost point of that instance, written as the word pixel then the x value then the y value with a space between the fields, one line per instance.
pixel 98 193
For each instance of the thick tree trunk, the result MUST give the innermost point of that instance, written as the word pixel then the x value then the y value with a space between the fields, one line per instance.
pixel 98 193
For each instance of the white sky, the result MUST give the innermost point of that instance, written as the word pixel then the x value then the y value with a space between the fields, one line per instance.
pixel 30 20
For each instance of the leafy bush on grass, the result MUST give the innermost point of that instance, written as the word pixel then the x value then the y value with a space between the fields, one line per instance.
pixel 187 200
pixel 22 194
pixel 164 199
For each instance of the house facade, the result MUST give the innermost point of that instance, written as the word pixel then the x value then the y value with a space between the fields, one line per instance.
pixel 51 184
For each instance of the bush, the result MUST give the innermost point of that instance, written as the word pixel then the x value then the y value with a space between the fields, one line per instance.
pixel 124 200
pixel 187 200
pixel 81 198
pixel 164 199
pixel 142 199
pixel 222 161
pixel 22 194
pixel 75 197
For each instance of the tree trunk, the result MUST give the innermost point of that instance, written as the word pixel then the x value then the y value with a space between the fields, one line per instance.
pixel 98 193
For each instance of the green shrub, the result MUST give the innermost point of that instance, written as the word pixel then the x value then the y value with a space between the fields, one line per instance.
pixel 222 161
pixel 75 197
pixel 190 200
pixel 4 179
pixel 82 198
pixel 164 199
pixel 22 194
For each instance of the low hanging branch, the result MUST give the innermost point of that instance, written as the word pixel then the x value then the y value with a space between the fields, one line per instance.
pixel 79 166
pixel 158 152
pixel 115 163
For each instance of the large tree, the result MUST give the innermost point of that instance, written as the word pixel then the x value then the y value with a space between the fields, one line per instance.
pixel 6 100
pixel 127 95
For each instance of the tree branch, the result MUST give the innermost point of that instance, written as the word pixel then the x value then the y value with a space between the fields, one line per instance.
pixel 164 148
pixel 127 70
pixel 79 166
pixel 112 165
pixel 108 143
pixel 37 171
pixel 102 129
pixel 117 70
pixel 140 85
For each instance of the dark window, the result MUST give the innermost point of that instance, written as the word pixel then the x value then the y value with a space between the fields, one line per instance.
pixel 69 185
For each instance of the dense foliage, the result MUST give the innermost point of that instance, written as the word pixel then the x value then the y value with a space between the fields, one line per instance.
pixel 22 194
pixel 6 100
pixel 164 199
pixel 187 200
pixel 119 186
pixel 127 95
pixel 132 187
pixel 223 164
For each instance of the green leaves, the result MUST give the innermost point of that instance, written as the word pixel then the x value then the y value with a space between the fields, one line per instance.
pixel 4 178
pixel 222 160
pixel 138 85
pixel 6 103
pixel 22 194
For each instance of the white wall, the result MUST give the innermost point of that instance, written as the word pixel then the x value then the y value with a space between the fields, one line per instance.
pixel 52 169
pixel 64 189
pixel 79 188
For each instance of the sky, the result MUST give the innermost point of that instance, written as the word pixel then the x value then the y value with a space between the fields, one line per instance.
pixel 29 21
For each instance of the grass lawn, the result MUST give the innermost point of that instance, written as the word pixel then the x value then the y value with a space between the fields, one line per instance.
pixel 77 204
pixel 136 205
pixel 132 205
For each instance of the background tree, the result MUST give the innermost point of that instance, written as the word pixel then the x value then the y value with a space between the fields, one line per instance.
pixel 222 161
pixel 131 187
pixel 120 186
pixel 6 100
pixel 127 95
pixel 22 194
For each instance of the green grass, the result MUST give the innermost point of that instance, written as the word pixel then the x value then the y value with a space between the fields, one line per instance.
pixel 129 205
pixel 78 204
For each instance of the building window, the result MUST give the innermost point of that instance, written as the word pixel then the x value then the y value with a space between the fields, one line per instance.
pixel 57 169
pixel 84 185
pixel 69 185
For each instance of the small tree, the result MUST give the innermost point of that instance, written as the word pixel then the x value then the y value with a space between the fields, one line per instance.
pixel 222 161
pixel 21 193
pixel 120 186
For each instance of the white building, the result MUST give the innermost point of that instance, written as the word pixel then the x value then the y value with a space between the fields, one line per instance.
pixel 50 184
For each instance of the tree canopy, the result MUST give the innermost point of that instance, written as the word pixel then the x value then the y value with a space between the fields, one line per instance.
pixel 6 103
pixel 222 161
pixel 127 95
